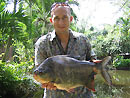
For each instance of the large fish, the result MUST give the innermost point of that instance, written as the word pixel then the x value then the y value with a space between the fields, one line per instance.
pixel 67 73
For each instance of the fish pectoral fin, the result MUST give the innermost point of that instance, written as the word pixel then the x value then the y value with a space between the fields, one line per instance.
pixel 71 90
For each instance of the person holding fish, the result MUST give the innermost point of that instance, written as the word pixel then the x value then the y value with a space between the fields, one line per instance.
pixel 63 41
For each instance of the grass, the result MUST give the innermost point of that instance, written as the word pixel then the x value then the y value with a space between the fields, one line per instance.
pixel 105 91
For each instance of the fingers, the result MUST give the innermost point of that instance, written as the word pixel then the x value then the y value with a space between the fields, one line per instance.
pixel 44 85
pixel 49 86
pixel 71 90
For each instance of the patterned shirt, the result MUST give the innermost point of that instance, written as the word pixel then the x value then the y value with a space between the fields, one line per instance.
pixel 78 46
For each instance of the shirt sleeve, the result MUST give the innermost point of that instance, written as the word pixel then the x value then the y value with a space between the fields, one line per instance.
pixel 90 53
pixel 93 55
pixel 40 53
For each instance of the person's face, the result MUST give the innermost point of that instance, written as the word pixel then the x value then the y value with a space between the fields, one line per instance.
pixel 61 19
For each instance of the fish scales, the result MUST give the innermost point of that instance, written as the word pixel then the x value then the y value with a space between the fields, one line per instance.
pixel 67 73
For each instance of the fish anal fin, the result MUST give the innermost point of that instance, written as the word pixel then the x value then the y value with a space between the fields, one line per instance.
pixel 91 85
pixel 93 89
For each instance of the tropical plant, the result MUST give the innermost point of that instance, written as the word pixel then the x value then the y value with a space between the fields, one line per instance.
pixel 121 63
pixel 15 80
pixel 12 27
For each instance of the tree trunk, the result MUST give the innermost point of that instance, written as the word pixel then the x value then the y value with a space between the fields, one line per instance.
pixel 7 49
pixel 15 3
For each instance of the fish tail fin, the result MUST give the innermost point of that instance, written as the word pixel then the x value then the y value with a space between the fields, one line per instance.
pixel 104 71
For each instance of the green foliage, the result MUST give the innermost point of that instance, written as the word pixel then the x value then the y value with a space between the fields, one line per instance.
pixel 123 29
pixel 111 41
pixel 105 91
pixel 29 22
pixel 15 24
pixel 22 52
pixel 119 62
pixel 14 80
pixel 124 44
pixel 104 45
pixel 2 5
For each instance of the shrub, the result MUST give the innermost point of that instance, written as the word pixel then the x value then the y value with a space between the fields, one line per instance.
pixel 121 63
pixel 106 45
pixel 14 80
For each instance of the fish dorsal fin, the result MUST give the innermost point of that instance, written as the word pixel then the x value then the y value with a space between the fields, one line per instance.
pixel 75 57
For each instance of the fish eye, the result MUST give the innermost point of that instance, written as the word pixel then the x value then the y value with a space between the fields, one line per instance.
pixel 40 72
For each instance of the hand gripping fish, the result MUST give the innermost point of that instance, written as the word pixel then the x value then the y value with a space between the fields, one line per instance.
pixel 67 73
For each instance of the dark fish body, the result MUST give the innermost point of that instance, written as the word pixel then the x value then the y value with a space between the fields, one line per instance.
pixel 67 73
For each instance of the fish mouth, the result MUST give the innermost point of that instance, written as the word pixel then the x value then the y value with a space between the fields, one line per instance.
pixel 39 79
pixel 37 72
pixel 35 76
pixel 40 76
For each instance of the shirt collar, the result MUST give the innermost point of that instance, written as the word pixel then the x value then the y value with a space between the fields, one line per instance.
pixel 72 35
pixel 52 35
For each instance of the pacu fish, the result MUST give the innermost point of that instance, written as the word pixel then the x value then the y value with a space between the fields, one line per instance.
pixel 67 73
